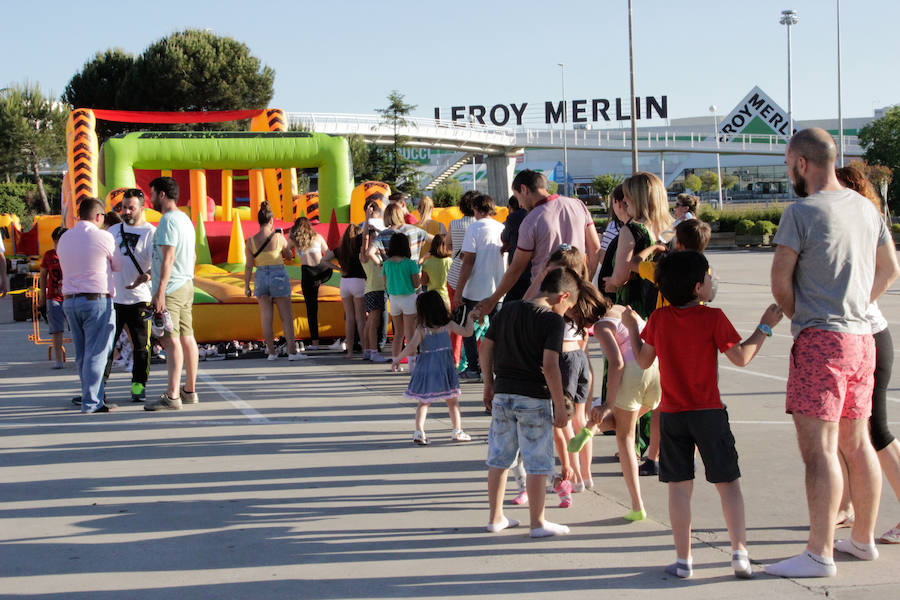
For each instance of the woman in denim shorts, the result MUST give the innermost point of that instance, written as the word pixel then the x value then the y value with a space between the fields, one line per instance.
pixel 266 251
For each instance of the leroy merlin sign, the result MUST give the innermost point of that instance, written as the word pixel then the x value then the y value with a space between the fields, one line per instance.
pixel 757 113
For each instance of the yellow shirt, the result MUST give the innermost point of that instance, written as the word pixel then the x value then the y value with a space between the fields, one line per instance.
pixel 437 269
pixel 271 255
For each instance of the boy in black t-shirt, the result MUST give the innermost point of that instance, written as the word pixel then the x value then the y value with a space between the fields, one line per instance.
pixel 523 390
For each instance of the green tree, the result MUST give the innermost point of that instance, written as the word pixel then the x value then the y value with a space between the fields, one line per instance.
pixel 191 70
pixel 605 184
pixel 729 181
pixel 881 141
pixel 710 181
pixel 34 132
pixel 693 183
pixel 360 156
pixel 447 192
pixel 396 170
pixel 552 186
pixel 99 85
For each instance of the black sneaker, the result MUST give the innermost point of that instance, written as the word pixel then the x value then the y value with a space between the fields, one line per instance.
pixel 648 468
pixel 470 376
pixel 76 400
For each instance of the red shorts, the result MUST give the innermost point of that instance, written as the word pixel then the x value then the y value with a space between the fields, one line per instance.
pixel 831 375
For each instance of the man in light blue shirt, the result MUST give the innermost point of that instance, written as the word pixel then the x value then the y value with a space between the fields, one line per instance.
pixel 173 291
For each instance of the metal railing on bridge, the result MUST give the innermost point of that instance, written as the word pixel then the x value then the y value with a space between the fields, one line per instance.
pixel 471 136
pixel 455 135
pixel 663 141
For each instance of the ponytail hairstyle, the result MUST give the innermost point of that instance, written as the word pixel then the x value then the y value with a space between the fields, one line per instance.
pixel 591 306
pixel 570 257
pixel 265 214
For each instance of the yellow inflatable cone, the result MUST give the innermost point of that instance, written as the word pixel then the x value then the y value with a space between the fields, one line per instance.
pixel 236 251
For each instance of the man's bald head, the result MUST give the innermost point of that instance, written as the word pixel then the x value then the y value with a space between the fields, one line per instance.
pixel 815 145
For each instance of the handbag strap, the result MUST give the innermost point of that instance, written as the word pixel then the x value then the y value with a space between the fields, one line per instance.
pixel 264 244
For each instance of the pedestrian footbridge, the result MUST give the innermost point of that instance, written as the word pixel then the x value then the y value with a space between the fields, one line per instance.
pixel 501 145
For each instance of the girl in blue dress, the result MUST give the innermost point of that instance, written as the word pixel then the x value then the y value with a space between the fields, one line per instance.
pixel 435 376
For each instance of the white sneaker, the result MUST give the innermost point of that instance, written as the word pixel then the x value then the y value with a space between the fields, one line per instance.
pixel 297 356
pixel 272 357
pixel 375 357
pixel 301 347
pixel 312 347
pixel 339 345
pixel 459 435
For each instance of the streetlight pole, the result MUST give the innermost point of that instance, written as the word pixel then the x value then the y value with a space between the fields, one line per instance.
pixel 715 114
pixel 840 111
pixel 634 148
pixel 562 70
pixel 789 18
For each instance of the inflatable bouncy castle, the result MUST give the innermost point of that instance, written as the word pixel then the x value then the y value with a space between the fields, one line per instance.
pixel 223 177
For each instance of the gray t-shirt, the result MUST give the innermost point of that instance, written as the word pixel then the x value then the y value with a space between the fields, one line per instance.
pixel 835 234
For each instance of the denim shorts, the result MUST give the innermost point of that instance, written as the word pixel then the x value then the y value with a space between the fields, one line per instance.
pixel 55 316
pixel 521 424
pixel 272 281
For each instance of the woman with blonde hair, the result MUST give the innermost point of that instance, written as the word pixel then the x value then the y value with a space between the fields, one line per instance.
pixel 309 247
pixel 426 208
pixel 647 205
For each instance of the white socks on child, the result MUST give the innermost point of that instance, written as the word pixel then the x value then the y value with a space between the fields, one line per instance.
pixel 548 529
pixel 504 524
pixel 860 551
pixel 805 564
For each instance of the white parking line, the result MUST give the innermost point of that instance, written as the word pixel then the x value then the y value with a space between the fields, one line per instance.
pixel 775 377
pixel 226 394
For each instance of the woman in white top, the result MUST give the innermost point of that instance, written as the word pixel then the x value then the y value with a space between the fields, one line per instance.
pixel 886 446
pixel 309 247
pixel 458 229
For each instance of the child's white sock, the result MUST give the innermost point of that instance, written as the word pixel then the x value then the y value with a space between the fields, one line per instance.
pixel 740 562
pixel 504 524
pixel 805 564
pixel 548 529
pixel 682 567
pixel 860 551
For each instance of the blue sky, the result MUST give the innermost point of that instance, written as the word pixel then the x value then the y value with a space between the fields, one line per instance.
pixel 346 56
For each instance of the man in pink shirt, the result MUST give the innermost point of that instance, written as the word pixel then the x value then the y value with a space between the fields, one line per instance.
pixel 88 257
pixel 552 220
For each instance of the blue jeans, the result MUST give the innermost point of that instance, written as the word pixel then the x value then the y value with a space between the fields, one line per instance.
pixel 470 344
pixel 521 425
pixel 93 324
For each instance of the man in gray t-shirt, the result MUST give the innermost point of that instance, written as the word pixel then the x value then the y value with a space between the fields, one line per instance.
pixel 834 256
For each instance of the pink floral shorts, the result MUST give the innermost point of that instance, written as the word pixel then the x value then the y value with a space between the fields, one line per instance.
pixel 831 375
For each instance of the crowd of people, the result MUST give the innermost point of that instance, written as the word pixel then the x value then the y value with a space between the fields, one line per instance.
pixel 512 305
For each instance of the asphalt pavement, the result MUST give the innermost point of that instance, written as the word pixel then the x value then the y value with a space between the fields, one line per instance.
pixel 299 480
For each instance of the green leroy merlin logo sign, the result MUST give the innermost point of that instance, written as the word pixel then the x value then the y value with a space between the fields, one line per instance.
pixel 758 114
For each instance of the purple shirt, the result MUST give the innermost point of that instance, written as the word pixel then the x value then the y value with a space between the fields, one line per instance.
pixel 88 257
pixel 552 222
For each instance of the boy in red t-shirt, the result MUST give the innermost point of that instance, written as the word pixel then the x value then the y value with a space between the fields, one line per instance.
pixel 687 337
pixel 50 294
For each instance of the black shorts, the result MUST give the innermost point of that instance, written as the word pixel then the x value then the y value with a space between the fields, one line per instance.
pixel 709 432
pixel 374 301
pixel 576 373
